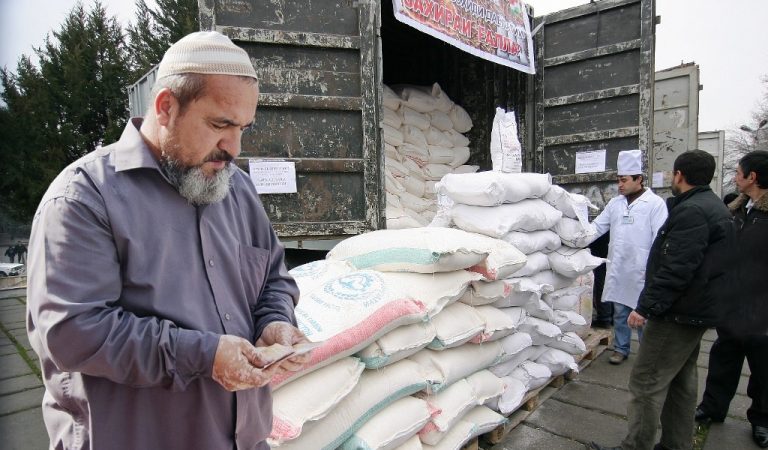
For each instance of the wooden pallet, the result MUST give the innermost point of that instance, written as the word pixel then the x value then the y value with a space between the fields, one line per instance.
pixel 473 444
pixel 596 342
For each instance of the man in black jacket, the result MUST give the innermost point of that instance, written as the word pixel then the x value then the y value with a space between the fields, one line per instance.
pixel 746 334
pixel 684 294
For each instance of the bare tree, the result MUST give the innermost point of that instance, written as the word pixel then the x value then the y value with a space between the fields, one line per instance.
pixel 742 141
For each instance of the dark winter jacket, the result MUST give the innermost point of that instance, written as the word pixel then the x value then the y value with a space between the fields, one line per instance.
pixel 687 279
pixel 751 263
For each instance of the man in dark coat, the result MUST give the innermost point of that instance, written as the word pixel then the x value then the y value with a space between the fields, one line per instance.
pixel 746 334
pixel 684 294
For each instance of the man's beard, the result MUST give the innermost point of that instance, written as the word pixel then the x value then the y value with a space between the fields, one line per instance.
pixel 193 184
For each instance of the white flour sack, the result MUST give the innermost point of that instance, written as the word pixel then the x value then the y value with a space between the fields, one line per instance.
pixel 392 118
pixel 448 366
pixel 450 405
pixel 484 419
pixel 569 342
pixel 417 99
pixel 545 241
pixel 466 169
pixel 505 293
pixel 453 439
pixel 571 262
pixel 495 188
pixel 497 221
pixel 349 312
pixel 316 273
pixel 391 100
pixel 391 427
pixel 512 345
pixel 398 219
pixel 460 118
pixel 423 250
pixel 527 354
pixel 414 118
pixel 533 375
pixel 458 139
pixel 311 397
pixel 540 310
pixel 558 361
pixel 573 233
pixel 511 398
pixel 460 157
pixel 525 291
pixel 376 390
pixel 456 325
pixel 566 299
pixel 497 324
pixel 412 443
pixel 552 279
pixel 541 331
pixel 536 262
pixel 485 386
pixel 506 151
pixel 392 136
pixel 569 321
pixel 441 155
pixel 434 290
pixel 573 206
pixel 440 120
pixel 398 344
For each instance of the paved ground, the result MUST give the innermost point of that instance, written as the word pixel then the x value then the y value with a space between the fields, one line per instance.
pixel 592 407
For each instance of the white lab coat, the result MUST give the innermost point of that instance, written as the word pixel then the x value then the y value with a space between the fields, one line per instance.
pixel 630 243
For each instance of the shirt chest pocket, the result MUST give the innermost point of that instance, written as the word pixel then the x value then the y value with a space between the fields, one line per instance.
pixel 254 267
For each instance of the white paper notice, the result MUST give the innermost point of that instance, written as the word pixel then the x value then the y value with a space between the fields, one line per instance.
pixel 658 179
pixel 592 161
pixel 273 177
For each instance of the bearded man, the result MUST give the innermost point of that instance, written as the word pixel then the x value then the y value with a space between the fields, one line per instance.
pixel 157 288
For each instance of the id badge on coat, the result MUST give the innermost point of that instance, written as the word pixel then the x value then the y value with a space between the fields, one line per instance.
pixel 627 219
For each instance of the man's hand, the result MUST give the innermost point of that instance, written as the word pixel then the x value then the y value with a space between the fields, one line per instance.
pixel 236 364
pixel 635 320
pixel 285 334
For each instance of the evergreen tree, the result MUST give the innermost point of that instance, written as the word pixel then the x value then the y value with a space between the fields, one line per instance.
pixel 156 29
pixel 73 103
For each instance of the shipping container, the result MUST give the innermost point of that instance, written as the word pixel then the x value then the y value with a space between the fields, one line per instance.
pixel 675 122
pixel 322 65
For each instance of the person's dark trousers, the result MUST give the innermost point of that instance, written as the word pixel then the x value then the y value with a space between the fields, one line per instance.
pixel 725 362
pixel 663 385
pixel 603 310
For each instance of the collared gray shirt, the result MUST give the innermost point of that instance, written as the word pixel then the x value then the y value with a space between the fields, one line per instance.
pixel 129 289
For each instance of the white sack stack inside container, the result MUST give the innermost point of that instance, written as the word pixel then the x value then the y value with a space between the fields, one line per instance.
pixel 422 129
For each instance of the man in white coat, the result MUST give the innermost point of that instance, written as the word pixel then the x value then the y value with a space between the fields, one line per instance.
pixel 633 218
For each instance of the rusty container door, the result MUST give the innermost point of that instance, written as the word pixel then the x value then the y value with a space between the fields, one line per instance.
pixel 675 122
pixel 594 90
pixel 318 75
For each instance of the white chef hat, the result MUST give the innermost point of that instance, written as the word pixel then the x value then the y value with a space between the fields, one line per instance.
pixel 630 162
pixel 205 52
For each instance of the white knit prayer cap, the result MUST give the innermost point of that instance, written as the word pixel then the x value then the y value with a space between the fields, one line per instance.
pixel 630 162
pixel 206 52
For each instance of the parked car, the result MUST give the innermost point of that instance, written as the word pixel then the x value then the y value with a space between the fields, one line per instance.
pixel 12 270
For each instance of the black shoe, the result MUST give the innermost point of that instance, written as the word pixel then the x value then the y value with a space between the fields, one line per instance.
pixel 704 418
pixel 760 436
pixel 596 446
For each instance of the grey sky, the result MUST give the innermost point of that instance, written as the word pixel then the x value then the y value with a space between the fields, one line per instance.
pixel 727 39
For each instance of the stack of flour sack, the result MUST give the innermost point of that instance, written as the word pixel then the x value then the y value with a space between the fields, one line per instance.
pixel 432 335
pixel 423 141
